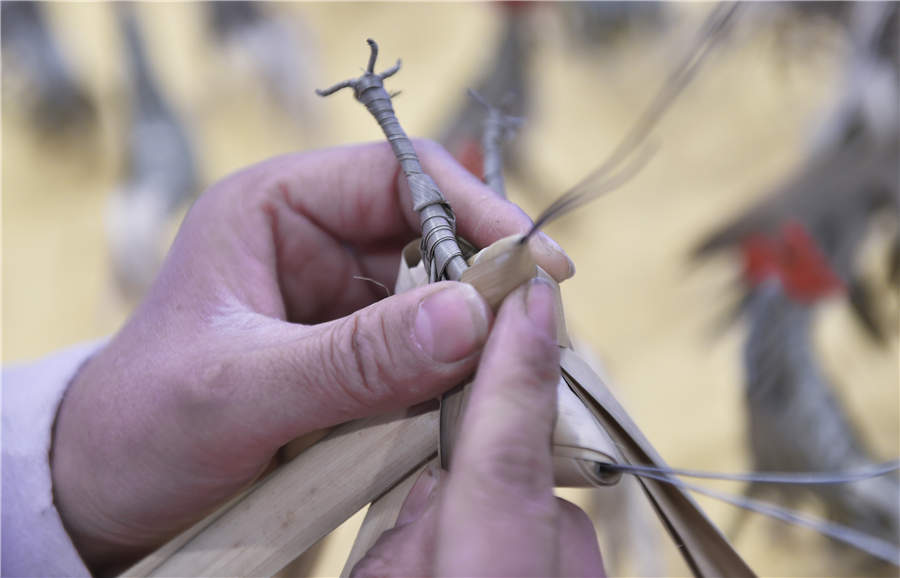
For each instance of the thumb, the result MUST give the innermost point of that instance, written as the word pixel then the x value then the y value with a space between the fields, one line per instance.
pixel 503 514
pixel 397 352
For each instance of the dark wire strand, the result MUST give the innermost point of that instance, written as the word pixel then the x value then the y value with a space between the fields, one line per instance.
pixel 678 79
pixel 587 192
pixel 881 549
pixel 796 478
pixel 593 185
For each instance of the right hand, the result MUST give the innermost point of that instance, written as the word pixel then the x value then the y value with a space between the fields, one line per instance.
pixel 495 513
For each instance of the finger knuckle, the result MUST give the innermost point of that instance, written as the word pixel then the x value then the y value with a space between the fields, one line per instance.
pixel 207 386
pixel 545 367
pixel 534 363
pixel 528 389
pixel 361 370
pixel 514 469
pixel 213 374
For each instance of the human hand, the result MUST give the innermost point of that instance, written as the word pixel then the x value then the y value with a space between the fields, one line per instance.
pixel 495 513
pixel 255 333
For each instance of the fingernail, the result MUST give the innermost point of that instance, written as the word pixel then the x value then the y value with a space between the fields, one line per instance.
pixel 452 323
pixel 550 246
pixel 540 306
pixel 419 497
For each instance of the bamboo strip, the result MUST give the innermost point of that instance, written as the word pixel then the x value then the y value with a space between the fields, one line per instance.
pixel 149 563
pixel 382 516
pixel 307 498
pixel 146 566
pixel 500 268
pixel 701 544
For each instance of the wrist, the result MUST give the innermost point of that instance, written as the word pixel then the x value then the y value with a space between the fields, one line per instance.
pixel 75 484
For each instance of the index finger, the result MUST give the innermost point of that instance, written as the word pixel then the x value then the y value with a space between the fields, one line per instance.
pixel 359 194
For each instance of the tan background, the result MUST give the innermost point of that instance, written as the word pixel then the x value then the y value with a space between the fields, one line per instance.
pixel 738 128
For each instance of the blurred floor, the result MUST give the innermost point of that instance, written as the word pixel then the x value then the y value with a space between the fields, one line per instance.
pixel 736 131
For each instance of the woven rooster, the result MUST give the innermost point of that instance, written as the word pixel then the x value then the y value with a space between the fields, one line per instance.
pixel 851 175
pixel 271 47
pixel 795 421
pixel 504 81
pixel 161 171
pixel 58 100
pixel 801 246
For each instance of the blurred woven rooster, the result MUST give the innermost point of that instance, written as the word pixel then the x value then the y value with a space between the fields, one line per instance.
pixel 802 245
pixel 253 36
pixel 161 173
pixel 868 103
pixel 795 421
pixel 837 197
pixel 58 100
pixel 851 178
pixel 598 24
pixel 505 81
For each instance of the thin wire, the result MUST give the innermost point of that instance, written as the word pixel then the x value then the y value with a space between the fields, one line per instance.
pixel 871 545
pixel 585 193
pixel 592 186
pixel 678 79
pixel 799 478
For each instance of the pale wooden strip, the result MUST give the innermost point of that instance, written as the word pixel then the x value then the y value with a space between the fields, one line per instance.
pixel 499 269
pixel 307 498
pixel 453 405
pixel 382 516
pixel 151 562
pixel 701 544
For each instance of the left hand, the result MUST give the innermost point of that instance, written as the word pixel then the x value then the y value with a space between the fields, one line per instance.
pixel 255 333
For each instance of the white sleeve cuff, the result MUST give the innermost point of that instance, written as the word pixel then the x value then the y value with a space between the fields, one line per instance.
pixel 34 541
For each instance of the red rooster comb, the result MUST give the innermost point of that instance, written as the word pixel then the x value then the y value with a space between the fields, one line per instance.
pixel 805 272
pixel 761 258
pixel 795 258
